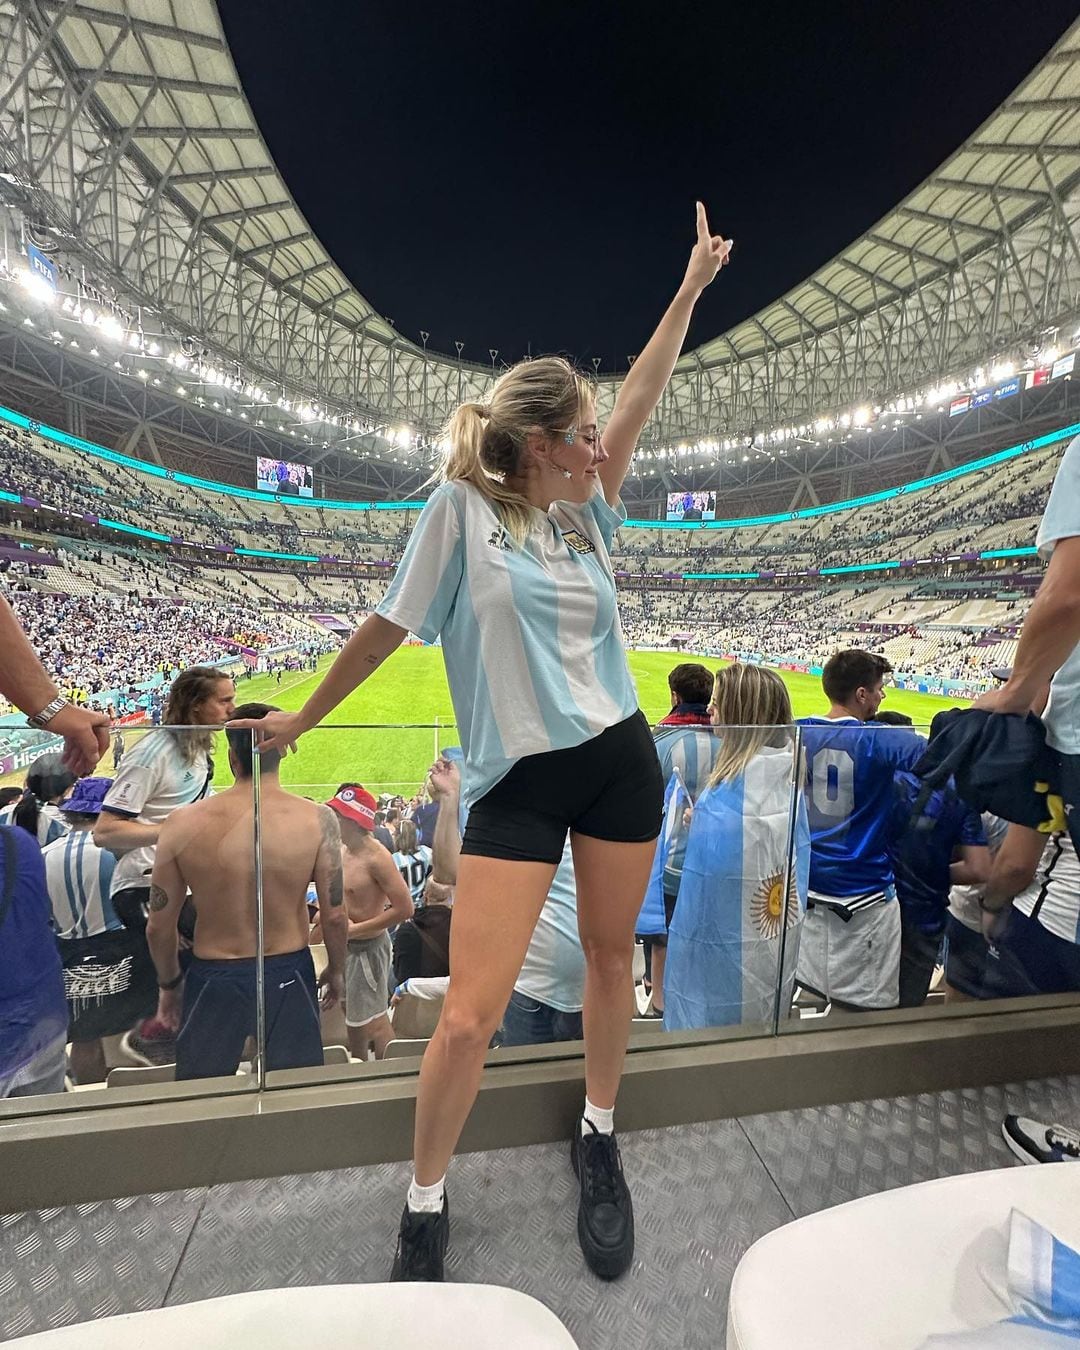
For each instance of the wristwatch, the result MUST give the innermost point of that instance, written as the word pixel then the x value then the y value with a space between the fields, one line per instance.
pixel 170 985
pixel 45 716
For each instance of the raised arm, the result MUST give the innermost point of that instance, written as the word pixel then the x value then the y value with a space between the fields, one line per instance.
pixel 648 377
pixel 1050 633
pixel 445 780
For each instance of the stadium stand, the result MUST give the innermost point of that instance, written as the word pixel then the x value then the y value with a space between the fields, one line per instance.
pixel 954 619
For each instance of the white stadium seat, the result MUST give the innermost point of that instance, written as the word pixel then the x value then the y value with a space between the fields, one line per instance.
pixel 885 1272
pixel 345 1316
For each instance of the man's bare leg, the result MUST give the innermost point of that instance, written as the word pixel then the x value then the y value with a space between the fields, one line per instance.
pixel 359 1041
pixel 87 1060
pixel 380 1034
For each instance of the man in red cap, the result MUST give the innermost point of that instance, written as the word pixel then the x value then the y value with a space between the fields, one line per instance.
pixel 377 900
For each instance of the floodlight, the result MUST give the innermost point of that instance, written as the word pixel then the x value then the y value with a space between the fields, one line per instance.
pixel 37 286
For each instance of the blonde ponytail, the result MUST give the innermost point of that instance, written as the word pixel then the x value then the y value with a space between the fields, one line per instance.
pixel 486 442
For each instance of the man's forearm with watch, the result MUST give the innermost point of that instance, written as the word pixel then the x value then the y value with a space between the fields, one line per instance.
pixel 1014 867
pixel 24 682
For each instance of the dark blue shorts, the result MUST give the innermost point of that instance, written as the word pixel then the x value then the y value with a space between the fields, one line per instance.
pixel 220 1014
pixel 1028 959
pixel 965 958
pixel 527 1021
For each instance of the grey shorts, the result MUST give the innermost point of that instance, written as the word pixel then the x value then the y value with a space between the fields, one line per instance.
pixel 857 962
pixel 367 976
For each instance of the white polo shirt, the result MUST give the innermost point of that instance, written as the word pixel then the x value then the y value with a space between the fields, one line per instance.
pixel 531 635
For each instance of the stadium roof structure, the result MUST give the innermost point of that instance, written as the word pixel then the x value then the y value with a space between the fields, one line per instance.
pixel 128 150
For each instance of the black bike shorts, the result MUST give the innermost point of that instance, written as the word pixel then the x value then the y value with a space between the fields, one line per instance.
pixel 609 787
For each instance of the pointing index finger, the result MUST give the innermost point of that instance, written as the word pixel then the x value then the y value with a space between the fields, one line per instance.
pixel 702 222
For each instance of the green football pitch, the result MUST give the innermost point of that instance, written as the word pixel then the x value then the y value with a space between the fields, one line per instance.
pixel 385 734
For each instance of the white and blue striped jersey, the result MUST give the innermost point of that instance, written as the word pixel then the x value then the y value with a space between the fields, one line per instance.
pixel 531 635
pixel 415 868
pixel 151 783
pixel 693 752
pixel 1053 897
pixel 1061 520
pixel 51 824
pixel 79 877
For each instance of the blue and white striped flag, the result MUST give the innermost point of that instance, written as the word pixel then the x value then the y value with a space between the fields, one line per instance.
pixel 652 920
pixel 724 943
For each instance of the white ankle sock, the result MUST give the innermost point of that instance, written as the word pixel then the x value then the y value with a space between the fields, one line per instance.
pixel 426 1199
pixel 604 1121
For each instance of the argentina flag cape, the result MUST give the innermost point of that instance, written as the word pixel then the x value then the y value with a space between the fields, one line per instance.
pixel 652 920
pixel 724 942
pixel 1043 1288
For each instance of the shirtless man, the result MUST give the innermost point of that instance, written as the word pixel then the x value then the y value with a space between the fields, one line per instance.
pixel 377 899
pixel 208 848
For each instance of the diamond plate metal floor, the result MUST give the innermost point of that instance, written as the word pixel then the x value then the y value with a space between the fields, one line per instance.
pixel 702 1194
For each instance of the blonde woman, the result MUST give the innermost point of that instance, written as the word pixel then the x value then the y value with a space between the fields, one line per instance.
pixel 725 937
pixel 509 565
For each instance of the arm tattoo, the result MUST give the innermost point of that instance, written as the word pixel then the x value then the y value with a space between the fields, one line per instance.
pixel 331 842
pixel 158 898
pixel 371 660
pixel 336 884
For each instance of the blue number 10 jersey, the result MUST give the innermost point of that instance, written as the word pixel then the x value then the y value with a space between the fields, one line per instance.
pixel 849 780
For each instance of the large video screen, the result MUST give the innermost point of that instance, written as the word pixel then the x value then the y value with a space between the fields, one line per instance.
pixel 290 480
pixel 691 506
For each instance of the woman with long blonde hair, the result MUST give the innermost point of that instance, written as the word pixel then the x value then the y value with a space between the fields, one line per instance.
pixel 509 566
pixel 741 897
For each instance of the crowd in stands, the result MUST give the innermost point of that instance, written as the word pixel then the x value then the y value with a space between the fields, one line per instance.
pixel 103 641
pixel 358 893
pixel 823 865
pixel 792 621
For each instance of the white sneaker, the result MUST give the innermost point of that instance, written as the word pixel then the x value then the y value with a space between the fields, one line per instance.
pixel 1034 1142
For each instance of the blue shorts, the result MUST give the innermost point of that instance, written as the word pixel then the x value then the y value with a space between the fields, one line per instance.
pixel 220 1014
pixel 527 1021
pixel 1028 959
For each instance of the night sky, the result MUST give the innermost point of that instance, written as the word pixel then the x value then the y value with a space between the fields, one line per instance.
pixel 522 175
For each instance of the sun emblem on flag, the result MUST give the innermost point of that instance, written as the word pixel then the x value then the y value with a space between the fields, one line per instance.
pixel 767 905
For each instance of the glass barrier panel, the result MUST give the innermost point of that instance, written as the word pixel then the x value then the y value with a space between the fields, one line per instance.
pixel 709 937
pixel 897 872
pixel 91 929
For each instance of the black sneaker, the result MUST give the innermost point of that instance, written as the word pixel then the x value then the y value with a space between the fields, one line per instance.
pixel 421 1245
pixel 605 1218
pixel 1034 1142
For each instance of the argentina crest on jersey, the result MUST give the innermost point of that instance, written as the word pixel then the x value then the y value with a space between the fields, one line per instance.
pixel 578 542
